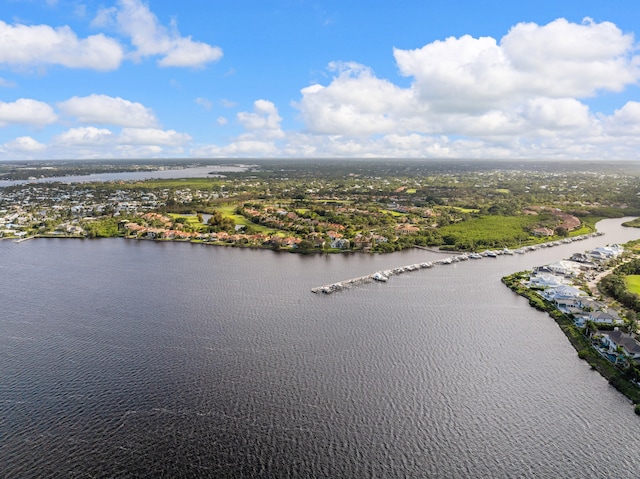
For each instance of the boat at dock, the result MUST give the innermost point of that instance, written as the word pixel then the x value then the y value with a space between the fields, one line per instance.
pixel 384 275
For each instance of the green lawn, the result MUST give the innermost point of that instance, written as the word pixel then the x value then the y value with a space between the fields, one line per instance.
pixel 464 210
pixel 633 283
pixel 392 213
pixel 229 210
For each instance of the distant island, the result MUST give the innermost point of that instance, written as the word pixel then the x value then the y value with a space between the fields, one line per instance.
pixel 325 205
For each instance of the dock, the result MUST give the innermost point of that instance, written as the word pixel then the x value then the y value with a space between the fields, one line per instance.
pixel 379 276
pixel 26 238
pixel 385 275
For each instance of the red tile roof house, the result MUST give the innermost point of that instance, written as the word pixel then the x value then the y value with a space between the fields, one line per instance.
pixel 406 229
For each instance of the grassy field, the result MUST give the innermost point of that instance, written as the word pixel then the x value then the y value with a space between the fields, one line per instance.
pixel 191 220
pixel 489 231
pixel 633 283
pixel 392 213
pixel 229 210
pixel 464 210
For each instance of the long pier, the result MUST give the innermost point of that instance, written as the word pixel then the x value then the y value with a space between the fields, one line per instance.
pixel 383 276
pixel 380 276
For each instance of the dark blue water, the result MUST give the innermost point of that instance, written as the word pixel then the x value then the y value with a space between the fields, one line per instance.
pixel 137 359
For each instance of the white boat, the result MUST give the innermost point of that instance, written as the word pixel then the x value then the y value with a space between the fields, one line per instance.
pixel 380 277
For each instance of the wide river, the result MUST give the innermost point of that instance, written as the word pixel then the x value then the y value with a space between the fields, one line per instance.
pixel 123 358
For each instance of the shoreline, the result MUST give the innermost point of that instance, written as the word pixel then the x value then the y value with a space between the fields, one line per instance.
pixel 583 345
pixel 546 244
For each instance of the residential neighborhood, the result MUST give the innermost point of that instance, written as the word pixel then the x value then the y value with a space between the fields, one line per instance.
pixel 570 287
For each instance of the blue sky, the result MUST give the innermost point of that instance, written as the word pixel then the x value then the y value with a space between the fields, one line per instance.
pixel 296 78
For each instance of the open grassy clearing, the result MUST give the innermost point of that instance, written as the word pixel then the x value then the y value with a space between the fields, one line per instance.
pixel 582 231
pixel 229 211
pixel 392 213
pixel 464 210
pixel 633 283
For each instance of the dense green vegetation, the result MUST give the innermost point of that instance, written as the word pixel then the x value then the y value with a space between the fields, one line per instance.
pixel 103 228
pixel 635 223
pixel 615 285
pixel 489 232
pixel 379 206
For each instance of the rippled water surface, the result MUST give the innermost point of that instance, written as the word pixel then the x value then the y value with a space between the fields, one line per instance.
pixel 138 359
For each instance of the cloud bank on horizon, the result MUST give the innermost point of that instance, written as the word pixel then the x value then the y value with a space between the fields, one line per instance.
pixel 123 83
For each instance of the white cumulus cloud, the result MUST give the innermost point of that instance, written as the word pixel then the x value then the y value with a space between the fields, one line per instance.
pixel 84 136
pixel 624 121
pixel 151 38
pixel 24 144
pixel 264 117
pixel 34 45
pixel 524 94
pixel 238 148
pixel 106 110
pixel 152 136
pixel 92 142
pixel 26 111
pixel 557 60
pixel 355 103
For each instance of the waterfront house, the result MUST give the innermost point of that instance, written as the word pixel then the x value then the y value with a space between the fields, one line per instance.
pixel 569 305
pixel 562 292
pixel 605 317
pixel 360 241
pixel 591 304
pixel 340 243
pixel 620 346
pixel 581 258
pixel 604 253
pixel 564 268
pixel 546 280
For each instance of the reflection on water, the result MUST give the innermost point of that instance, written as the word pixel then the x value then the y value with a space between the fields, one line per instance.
pixel 139 359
